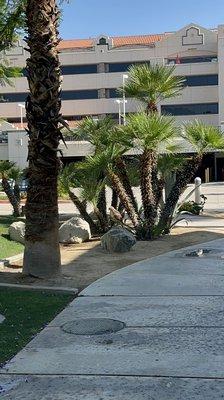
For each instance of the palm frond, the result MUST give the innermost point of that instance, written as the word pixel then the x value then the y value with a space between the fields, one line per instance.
pixel 152 83
pixel 150 131
pixel 202 137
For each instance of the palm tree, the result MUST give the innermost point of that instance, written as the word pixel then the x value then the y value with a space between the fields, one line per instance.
pixel 149 133
pixel 42 253
pixel 73 176
pixel 202 138
pixel 101 133
pixel 15 174
pixel 11 20
pixel 6 168
pixel 105 161
pixel 150 84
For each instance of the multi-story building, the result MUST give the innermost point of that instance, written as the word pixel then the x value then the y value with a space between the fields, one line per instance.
pixel 93 69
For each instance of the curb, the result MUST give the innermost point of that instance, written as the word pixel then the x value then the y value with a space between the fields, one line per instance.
pixel 40 288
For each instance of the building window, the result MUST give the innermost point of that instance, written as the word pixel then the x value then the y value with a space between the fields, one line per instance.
pixel 102 41
pixel 190 109
pixel 122 67
pixel 112 93
pixel 13 97
pixel 191 60
pixel 79 69
pixel 79 94
pixel 65 95
pixel 201 80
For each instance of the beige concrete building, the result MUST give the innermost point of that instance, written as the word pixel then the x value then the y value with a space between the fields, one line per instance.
pixel 93 69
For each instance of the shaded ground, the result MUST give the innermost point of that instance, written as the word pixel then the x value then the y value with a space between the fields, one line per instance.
pixel 87 262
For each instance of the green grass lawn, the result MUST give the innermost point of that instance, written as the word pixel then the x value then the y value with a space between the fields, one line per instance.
pixel 8 247
pixel 26 313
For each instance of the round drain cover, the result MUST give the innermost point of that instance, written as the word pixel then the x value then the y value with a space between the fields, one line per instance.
pixel 93 326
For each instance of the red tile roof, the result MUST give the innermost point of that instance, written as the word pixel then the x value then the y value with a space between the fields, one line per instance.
pixel 118 41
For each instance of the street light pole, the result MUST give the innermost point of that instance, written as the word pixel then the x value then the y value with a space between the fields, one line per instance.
pixel 124 100
pixel 21 106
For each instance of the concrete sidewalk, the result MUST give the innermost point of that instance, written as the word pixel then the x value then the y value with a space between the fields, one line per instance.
pixel 171 347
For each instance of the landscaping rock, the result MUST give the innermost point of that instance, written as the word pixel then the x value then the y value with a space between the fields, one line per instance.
pixel 17 232
pixel 118 240
pixel 76 230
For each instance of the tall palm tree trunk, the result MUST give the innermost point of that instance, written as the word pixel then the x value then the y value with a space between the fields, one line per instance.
pixel 114 200
pixel 147 192
pixel 102 205
pixel 124 198
pixel 182 179
pixel 123 175
pixel 11 196
pixel 16 191
pixel 82 210
pixel 42 253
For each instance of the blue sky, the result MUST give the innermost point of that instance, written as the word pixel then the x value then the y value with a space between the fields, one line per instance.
pixel 89 18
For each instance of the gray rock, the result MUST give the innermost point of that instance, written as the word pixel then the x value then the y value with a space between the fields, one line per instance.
pixel 17 232
pixel 118 240
pixel 75 230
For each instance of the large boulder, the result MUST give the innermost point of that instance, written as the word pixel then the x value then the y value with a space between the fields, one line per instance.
pixel 17 232
pixel 118 240
pixel 75 230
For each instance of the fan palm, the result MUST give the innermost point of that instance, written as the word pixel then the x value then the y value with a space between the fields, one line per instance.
pixel 102 133
pixel 149 133
pixel 203 138
pixel 15 174
pixel 68 181
pixel 151 84
pixel 42 254
pixel 104 161
pixel 5 170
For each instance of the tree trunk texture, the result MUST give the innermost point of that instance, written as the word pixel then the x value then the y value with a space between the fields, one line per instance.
pixel 123 175
pixel 102 205
pixel 11 196
pixel 114 200
pixel 103 223
pixel 147 192
pixel 82 210
pixel 183 178
pixel 124 198
pixel 16 191
pixel 42 253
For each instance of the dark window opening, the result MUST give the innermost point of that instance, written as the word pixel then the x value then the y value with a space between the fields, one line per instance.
pixel 190 109
pixel 122 67
pixel 79 69
pixel 201 80
pixel 103 42
pixel 189 60
pixel 79 94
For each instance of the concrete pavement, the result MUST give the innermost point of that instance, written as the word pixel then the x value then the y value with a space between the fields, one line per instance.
pixel 171 347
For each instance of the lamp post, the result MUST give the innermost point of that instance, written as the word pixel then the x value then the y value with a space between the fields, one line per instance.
pixel 124 100
pixel 21 106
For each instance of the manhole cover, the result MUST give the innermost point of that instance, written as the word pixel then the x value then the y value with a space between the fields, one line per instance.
pixel 93 326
